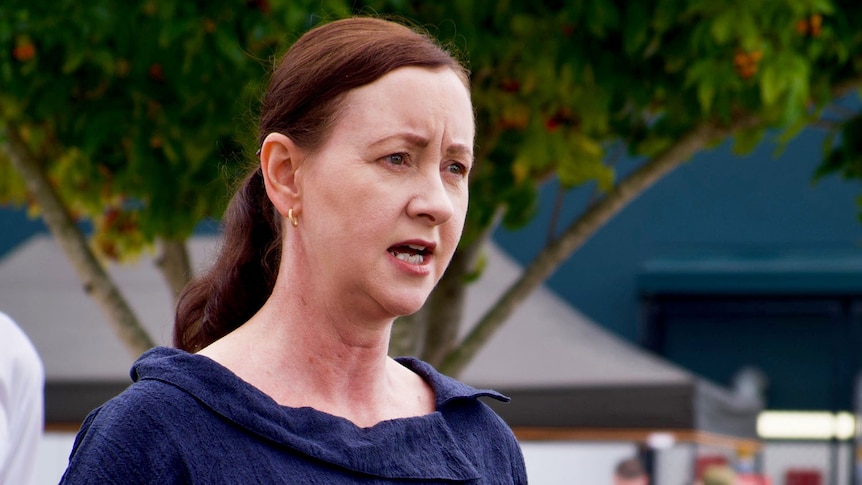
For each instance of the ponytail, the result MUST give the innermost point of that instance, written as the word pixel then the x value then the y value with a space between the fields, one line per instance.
pixel 243 275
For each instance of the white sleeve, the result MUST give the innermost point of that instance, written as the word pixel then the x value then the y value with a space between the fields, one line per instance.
pixel 22 383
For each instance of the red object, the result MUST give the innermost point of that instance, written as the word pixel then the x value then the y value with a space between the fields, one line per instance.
pixel 24 52
pixel 752 479
pixel 803 477
pixel 704 462
pixel 157 73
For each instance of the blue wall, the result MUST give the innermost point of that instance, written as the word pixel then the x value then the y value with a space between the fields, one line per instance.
pixel 717 201
pixel 16 227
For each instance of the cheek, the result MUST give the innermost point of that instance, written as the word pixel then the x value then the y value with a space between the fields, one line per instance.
pixel 358 215
pixel 456 223
pixel 461 203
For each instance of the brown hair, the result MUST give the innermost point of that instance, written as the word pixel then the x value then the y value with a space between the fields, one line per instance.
pixel 302 101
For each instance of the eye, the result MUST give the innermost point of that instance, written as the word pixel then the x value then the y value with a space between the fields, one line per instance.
pixel 396 158
pixel 457 169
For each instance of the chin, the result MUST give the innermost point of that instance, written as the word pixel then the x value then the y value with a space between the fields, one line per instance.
pixel 406 310
pixel 406 305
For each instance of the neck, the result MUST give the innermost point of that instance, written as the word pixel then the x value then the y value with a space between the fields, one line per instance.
pixel 304 354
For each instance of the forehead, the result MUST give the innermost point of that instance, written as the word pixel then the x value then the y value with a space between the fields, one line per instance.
pixel 442 77
pixel 413 98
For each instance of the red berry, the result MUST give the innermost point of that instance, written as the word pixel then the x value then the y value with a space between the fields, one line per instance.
pixel 24 52
pixel 157 73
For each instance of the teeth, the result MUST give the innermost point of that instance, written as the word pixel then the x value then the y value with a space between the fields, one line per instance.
pixel 418 248
pixel 410 258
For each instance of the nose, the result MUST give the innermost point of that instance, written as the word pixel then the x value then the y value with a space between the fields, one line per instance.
pixel 430 200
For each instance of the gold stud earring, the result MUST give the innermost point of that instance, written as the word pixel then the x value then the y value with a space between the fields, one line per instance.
pixel 292 217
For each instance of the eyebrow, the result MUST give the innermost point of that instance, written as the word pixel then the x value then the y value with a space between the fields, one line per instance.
pixel 460 150
pixel 422 142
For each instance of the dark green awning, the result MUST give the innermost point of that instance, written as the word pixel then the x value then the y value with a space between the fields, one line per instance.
pixel 754 272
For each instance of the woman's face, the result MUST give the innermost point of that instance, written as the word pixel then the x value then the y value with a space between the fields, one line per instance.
pixel 383 201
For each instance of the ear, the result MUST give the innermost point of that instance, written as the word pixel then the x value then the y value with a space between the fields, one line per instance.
pixel 280 160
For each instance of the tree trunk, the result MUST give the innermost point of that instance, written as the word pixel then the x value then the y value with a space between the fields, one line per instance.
pixel 576 234
pixel 443 310
pixel 95 279
pixel 174 264
pixel 407 332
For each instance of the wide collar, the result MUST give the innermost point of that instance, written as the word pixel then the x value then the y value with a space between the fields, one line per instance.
pixel 409 448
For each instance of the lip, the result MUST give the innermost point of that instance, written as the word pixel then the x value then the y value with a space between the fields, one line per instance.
pixel 422 268
pixel 429 246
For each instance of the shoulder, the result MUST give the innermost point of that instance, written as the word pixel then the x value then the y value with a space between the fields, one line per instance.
pixel 147 403
pixel 136 437
pixel 124 438
pixel 446 388
pixel 162 395
pixel 482 432
pixel 456 398
pixel 152 400
pixel 484 435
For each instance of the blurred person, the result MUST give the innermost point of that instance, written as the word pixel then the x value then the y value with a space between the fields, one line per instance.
pixel 347 220
pixel 22 385
pixel 630 471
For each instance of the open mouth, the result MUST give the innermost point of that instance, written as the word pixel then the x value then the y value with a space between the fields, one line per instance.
pixel 410 253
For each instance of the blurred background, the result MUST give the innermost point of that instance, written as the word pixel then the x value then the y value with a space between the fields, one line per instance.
pixel 662 255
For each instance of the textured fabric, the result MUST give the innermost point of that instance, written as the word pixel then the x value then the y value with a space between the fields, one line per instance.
pixel 187 419
pixel 22 381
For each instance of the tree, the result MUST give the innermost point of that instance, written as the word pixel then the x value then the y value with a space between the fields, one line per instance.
pixel 564 88
pixel 121 120
pixel 126 115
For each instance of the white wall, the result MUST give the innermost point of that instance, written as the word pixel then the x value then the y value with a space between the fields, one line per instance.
pixel 52 457
pixel 674 466
pixel 570 463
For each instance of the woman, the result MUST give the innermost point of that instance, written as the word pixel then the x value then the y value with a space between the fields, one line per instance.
pixel 281 373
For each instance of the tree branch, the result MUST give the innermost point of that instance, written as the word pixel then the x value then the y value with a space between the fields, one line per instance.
pixel 95 279
pixel 580 231
pixel 174 264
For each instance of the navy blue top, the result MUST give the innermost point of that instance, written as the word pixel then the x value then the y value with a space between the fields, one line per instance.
pixel 187 419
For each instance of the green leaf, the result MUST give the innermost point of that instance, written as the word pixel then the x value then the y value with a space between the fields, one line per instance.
pixel 229 47
pixel 705 95
pixel 790 133
pixel 636 32
pixel 74 60
pixel 744 142
pixel 723 27
pixel 773 83
pixel 822 6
